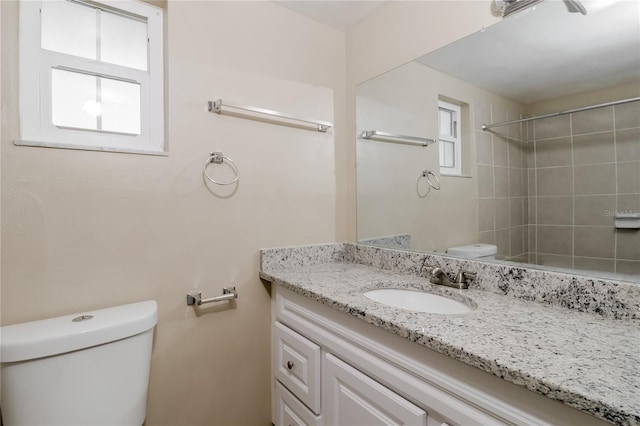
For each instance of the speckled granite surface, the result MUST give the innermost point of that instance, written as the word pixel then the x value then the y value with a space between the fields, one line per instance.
pixel 609 298
pixel 399 241
pixel 588 361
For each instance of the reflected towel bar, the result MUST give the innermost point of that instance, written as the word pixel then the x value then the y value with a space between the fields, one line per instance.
pixel 217 105
pixel 412 140
pixel 555 114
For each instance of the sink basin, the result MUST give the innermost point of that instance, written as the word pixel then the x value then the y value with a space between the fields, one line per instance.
pixel 419 301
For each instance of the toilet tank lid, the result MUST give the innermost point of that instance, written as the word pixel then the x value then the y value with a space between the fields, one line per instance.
pixel 474 250
pixel 55 336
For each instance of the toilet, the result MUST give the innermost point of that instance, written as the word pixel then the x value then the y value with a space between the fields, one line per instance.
pixel 84 369
pixel 475 251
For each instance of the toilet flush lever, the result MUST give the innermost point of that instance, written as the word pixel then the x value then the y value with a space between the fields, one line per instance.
pixel 195 297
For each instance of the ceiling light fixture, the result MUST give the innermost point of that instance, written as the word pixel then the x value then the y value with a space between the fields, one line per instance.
pixel 505 8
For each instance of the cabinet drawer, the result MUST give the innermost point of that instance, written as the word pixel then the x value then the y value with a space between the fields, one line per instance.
pixel 290 411
pixel 354 398
pixel 297 365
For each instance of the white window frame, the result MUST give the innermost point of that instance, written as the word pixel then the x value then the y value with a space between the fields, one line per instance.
pixel 456 139
pixel 36 126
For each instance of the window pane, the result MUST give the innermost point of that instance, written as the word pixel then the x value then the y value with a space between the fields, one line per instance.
pixel 69 28
pixel 446 122
pixel 73 100
pixel 447 154
pixel 123 41
pixel 120 106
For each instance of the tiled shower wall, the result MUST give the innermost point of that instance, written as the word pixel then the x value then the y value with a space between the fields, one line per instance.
pixel 502 183
pixel 548 190
pixel 582 168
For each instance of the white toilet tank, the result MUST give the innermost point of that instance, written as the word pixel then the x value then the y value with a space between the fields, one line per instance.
pixel 83 369
pixel 474 251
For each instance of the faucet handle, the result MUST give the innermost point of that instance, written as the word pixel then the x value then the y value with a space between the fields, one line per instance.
pixel 438 273
pixel 463 275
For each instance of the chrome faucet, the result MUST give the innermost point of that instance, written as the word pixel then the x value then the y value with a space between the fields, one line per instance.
pixel 438 276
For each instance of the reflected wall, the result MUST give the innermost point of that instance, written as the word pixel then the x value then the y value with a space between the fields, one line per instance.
pixel 396 206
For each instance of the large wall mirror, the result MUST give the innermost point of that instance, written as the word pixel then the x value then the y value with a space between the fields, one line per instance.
pixel 561 191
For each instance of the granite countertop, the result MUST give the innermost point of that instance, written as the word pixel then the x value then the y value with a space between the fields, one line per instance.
pixel 588 361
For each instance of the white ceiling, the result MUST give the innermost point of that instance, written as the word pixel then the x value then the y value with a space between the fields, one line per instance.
pixel 542 53
pixel 547 52
pixel 338 14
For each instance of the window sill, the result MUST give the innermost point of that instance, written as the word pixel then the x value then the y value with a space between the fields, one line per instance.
pixel 90 148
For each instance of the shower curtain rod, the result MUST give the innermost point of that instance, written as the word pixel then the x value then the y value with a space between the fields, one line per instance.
pixel 554 114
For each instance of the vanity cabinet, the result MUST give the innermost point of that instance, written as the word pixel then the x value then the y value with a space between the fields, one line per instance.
pixel 353 398
pixel 329 368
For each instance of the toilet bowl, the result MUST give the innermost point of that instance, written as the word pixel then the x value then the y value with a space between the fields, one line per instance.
pixel 474 251
pixel 83 369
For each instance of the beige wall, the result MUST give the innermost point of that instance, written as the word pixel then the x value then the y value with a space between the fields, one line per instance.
pixel 396 33
pixel 85 230
pixel 608 94
pixel 393 198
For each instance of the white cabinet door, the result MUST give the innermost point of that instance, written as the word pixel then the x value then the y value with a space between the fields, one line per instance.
pixel 354 399
pixel 297 365
pixel 290 411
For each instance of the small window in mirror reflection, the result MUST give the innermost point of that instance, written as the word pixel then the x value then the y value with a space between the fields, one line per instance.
pixel 447 155
pixel 449 140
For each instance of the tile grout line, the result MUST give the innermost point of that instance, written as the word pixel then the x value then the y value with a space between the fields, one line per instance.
pixel 573 195
pixel 615 157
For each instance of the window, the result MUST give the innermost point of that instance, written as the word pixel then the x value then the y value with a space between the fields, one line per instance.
pixel 91 75
pixel 449 142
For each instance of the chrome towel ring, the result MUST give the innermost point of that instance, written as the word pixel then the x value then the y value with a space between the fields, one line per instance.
pixel 426 173
pixel 219 158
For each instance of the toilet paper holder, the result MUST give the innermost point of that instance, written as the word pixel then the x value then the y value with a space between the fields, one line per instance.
pixel 195 297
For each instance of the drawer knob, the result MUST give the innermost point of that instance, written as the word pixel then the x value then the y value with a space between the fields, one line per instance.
pixel 289 365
